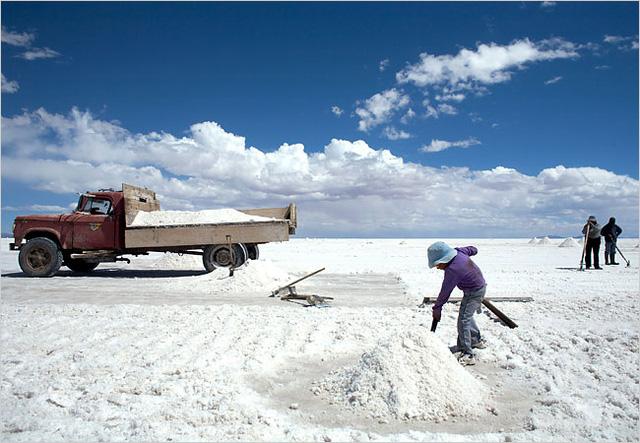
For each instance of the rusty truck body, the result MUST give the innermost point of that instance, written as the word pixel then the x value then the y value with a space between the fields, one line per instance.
pixel 100 230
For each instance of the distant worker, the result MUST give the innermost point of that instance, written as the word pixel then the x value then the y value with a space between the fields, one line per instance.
pixel 592 242
pixel 610 232
pixel 461 271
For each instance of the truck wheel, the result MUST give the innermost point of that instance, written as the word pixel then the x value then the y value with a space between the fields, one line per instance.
pixel 253 251
pixel 40 257
pixel 79 264
pixel 218 256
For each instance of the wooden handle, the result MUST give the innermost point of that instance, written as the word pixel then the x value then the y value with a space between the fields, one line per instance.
pixel 506 320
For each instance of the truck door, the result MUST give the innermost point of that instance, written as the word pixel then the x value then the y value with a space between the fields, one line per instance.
pixel 94 225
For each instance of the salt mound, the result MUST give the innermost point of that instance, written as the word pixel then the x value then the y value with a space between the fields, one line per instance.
pixel 545 241
pixel 569 243
pixel 411 376
pixel 209 216
pixel 533 241
pixel 171 261
pixel 253 276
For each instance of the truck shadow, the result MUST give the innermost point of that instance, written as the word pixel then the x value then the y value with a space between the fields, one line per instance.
pixel 120 273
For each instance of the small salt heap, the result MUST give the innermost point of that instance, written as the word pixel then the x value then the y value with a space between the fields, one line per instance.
pixel 569 242
pixel 254 276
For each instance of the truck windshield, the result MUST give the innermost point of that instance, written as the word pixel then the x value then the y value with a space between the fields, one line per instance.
pixel 94 205
pixel 78 206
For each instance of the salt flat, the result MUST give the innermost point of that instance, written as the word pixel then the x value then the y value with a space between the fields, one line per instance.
pixel 158 350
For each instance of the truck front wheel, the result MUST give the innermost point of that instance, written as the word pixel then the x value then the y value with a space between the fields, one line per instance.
pixel 79 264
pixel 219 256
pixel 40 257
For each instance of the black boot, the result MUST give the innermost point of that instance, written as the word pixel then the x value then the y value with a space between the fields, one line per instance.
pixel 606 258
pixel 613 259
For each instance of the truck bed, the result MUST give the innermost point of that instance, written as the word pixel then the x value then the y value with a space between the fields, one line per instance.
pixel 283 224
pixel 207 234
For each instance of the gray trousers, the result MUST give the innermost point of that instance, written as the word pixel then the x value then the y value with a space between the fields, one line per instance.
pixel 468 332
pixel 609 247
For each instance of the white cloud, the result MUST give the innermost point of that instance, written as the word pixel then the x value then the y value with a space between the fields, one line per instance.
pixel 445 108
pixel 379 108
pixel 547 4
pixel 25 40
pixel 494 125
pixel 488 64
pixel 602 67
pixel 37 208
pixel 450 97
pixel 553 80
pixel 440 145
pixel 408 116
pixel 431 111
pixel 347 188
pixel 383 64
pixel 453 77
pixel 623 43
pixel 39 53
pixel 392 133
pixel 16 38
pixel 336 110
pixel 475 118
pixel 613 39
pixel 9 87
pixel 440 108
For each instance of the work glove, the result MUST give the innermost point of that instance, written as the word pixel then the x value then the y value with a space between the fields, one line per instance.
pixel 437 314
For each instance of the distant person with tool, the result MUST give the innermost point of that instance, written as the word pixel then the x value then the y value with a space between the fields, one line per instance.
pixel 461 271
pixel 610 232
pixel 592 238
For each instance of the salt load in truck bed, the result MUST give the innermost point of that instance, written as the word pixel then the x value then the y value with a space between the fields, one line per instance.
pixel 148 227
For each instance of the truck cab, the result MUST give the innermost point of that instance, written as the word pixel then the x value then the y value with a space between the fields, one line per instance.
pixel 46 242
pixel 96 222
pixel 93 225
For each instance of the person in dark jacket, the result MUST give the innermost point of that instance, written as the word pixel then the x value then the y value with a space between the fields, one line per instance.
pixel 610 232
pixel 593 242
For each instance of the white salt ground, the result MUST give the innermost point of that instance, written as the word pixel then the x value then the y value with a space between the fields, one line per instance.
pixel 209 216
pixel 569 242
pixel 411 376
pixel 534 241
pixel 146 352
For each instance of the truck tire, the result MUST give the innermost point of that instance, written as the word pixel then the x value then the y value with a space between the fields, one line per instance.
pixel 253 251
pixel 218 256
pixel 79 265
pixel 40 257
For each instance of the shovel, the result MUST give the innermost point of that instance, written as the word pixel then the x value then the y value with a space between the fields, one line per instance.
pixel 621 255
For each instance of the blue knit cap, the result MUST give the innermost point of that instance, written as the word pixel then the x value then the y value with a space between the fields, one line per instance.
pixel 440 252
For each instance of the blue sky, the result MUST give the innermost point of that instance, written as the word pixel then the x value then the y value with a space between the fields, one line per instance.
pixel 510 103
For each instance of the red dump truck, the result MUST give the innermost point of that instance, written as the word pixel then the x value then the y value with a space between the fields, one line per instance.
pixel 102 229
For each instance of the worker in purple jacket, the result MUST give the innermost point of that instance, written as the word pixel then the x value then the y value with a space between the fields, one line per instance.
pixel 461 271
